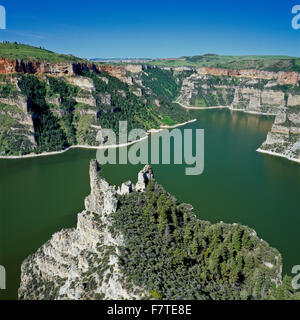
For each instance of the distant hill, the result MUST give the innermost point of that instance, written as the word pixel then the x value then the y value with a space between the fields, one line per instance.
pixel 27 52
pixel 269 63
pixel 122 60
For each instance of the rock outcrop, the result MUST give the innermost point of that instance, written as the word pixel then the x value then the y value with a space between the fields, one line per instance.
pixel 143 178
pixel 83 83
pixel 211 87
pixel 17 125
pixel 284 138
pixel 19 66
pixel 20 101
pixel 89 100
pixel 96 259
pixel 82 263
pixel 281 77
pixel 11 66
pixel 251 96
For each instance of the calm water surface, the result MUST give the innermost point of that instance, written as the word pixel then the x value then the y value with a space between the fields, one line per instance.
pixel 40 196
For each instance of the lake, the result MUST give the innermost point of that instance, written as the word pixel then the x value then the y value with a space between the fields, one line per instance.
pixel 41 196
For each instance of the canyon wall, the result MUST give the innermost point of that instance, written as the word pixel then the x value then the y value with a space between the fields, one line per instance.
pixel 281 77
pixel 62 69
pixel 252 91
pixel 251 95
pixel 16 124
pixel 284 138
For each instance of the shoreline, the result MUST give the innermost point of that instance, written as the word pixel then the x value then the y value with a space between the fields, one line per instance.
pixel 276 154
pixel 53 153
pixel 178 125
pixel 226 107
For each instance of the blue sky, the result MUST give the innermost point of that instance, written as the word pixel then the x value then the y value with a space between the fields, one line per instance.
pixel 154 28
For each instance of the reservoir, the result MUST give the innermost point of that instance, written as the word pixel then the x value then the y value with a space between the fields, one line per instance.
pixel 40 196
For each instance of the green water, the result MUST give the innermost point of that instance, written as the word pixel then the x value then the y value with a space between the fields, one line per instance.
pixel 40 196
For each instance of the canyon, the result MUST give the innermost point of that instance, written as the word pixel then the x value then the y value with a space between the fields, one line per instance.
pixel 248 90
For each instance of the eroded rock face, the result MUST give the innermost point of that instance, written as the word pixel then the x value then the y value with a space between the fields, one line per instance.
pixel 22 129
pixel 126 188
pixel 82 263
pixel 104 98
pixel 116 71
pixel 201 89
pixel 85 262
pixel 54 100
pixel 8 66
pixel 281 77
pixel 284 137
pixel 138 92
pixel 20 101
pixel 89 100
pixel 243 94
pixel 143 178
pixel 134 68
pixel 82 83
pixel 293 100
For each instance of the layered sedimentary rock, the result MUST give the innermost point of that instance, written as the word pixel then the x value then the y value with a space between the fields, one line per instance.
pixel 17 125
pixel 8 66
pixel 82 263
pixel 249 90
pixel 281 77
pixel 17 100
pixel 253 96
pixel 88 99
pixel 83 83
pixel 284 137
pixel 244 94
pixel 20 66
pixel 134 68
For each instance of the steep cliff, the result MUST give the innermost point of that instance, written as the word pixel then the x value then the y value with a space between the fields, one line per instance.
pixel 261 93
pixel 16 124
pixel 65 110
pixel 281 77
pixel 284 138
pixel 83 263
pixel 138 242
pixel 89 96
pixel 13 66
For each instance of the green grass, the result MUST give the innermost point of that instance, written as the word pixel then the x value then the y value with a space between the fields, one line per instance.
pixel 270 63
pixel 168 121
pixel 26 52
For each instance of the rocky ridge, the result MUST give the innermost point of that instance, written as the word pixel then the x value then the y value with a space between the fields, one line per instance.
pixel 87 262
pixel 63 267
